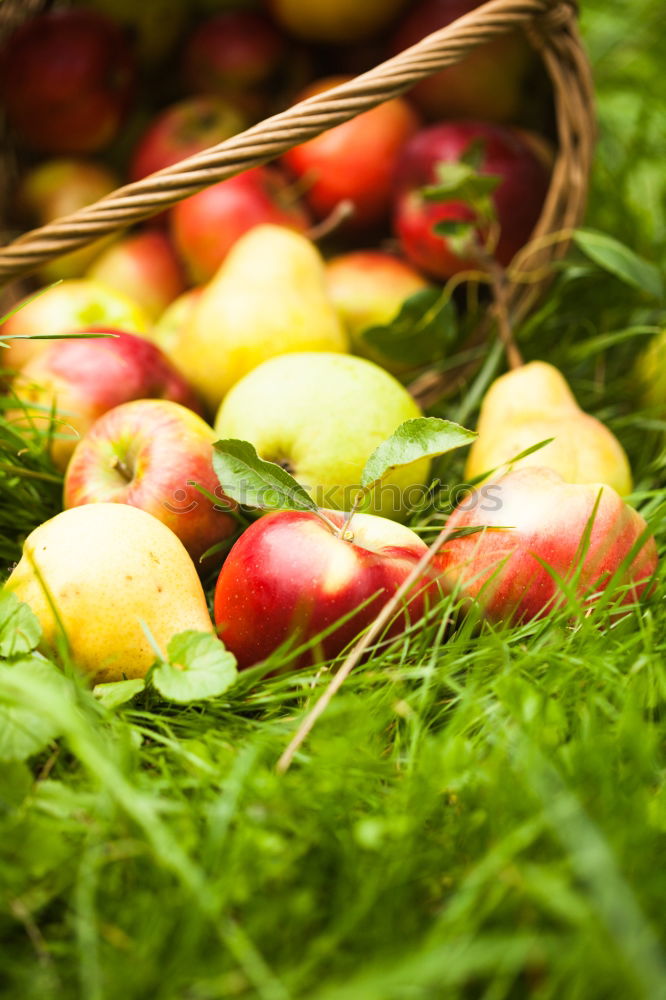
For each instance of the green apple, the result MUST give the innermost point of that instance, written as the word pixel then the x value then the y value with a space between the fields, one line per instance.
pixel 320 415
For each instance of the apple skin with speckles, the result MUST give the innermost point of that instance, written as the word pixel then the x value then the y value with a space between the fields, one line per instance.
pixel 290 577
pixel 150 453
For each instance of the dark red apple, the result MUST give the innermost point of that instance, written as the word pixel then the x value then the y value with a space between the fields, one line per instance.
pixel 353 161
pixel 205 226
pixel 183 129
pixel 536 519
pixel 66 80
pixel 148 453
pixel 487 84
pixel 506 152
pixel 235 54
pixel 290 577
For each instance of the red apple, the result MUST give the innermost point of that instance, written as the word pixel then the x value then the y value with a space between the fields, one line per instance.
pixel 368 288
pixel 147 453
pixel 144 266
pixel 518 199
pixel 75 304
pixel 235 54
pixel 353 161
pixel 205 226
pixel 290 576
pixel 183 129
pixel 82 379
pixel 534 518
pixel 487 84
pixel 66 80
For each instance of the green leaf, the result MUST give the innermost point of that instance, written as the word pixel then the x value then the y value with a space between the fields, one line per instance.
pixel 460 236
pixel 24 684
pixel 199 667
pixel 253 482
pixel 616 258
pixel 423 330
pixel 20 630
pixel 113 694
pixel 460 181
pixel 422 437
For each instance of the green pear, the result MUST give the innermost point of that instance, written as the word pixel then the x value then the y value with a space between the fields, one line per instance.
pixel 268 298
pixel 106 568
pixel 533 403
pixel 320 416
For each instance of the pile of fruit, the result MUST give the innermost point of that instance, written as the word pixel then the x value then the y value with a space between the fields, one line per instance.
pixel 227 398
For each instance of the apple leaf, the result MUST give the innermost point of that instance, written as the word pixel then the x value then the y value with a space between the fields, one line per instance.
pixel 616 258
pixel 26 682
pixel 20 630
pixel 460 181
pixel 113 694
pixel 461 236
pixel 253 482
pixel 422 437
pixel 422 331
pixel 199 666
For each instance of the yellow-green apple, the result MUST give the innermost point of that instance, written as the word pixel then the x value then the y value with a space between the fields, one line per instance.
pixel 74 305
pixel 291 576
pixel 59 187
pixel 109 570
pixel 182 129
pixel 149 453
pixel 488 84
pixel 368 288
pixel 156 26
pixel 205 226
pixel 173 325
pixel 584 533
pixel 144 266
pixel 268 298
pixel 234 53
pixel 320 416
pixel 534 403
pixel 66 80
pixel 75 381
pixel 354 161
pixel 340 21
pixel 518 199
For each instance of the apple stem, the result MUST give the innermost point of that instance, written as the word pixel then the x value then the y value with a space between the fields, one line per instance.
pixel 343 210
pixel 345 531
pixel 122 468
pixel 327 521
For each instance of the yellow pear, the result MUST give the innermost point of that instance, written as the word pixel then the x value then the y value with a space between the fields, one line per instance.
pixel 106 568
pixel 268 298
pixel 533 403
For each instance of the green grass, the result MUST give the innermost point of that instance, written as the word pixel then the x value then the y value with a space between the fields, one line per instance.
pixel 476 815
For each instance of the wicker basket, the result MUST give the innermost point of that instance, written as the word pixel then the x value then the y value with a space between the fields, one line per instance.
pixel 551 28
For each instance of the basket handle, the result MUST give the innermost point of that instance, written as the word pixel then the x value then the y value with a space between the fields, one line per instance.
pixel 550 25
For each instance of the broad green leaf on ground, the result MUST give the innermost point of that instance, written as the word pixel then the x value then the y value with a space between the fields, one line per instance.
pixel 198 667
pixel 20 630
pixel 26 684
pixel 253 482
pixel 113 694
pixel 618 259
pixel 423 330
pixel 422 437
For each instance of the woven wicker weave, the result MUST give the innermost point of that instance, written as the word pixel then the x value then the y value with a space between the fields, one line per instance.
pixel 551 28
